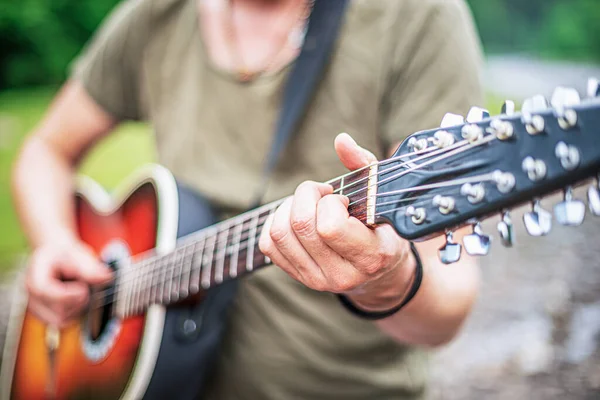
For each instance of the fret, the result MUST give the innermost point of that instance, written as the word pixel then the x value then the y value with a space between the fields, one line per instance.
pixel 128 288
pixel 341 181
pixel 196 266
pixel 156 279
pixel 146 269
pixel 173 288
pixel 148 280
pixel 135 289
pixel 251 241
pixel 186 270
pixel 118 295
pixel 234 258
pixel 207 266
pixel 221 254
pixel 267 260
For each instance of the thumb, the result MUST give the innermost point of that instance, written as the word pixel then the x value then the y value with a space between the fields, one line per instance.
pixel 86 267
pixel 351 154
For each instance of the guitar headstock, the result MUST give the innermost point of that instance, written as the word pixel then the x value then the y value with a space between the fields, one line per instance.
pixel 468 170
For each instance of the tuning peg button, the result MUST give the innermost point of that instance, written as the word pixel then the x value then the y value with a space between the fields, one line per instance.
pixel 450 252
pixel 506 230
pixel 477 114
pixel 534 124
pixel 538 222
pixel 570 212
pixel 593 88
pixel 477 243
pixel 452 120
pixel 593 195
pixel 562 100
pixel 535 104
pixel 508 108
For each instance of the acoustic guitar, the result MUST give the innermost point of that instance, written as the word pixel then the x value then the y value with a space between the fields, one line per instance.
pixel 437 180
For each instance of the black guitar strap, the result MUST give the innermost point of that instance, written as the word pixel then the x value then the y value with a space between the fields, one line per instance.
pixel 323 28
pixel 192 334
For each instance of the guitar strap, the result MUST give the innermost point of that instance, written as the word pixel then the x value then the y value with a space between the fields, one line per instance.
pixel 323 28
pixel 192 334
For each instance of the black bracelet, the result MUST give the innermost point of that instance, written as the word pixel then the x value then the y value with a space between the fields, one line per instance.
pixel 375 315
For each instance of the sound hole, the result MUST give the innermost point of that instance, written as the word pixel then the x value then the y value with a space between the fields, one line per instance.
pixel 101 327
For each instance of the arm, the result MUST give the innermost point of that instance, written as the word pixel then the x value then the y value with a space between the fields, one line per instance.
pixel 312 237
pixel 43 194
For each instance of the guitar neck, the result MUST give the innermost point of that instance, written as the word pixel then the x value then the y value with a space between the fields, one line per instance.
pixel 214 255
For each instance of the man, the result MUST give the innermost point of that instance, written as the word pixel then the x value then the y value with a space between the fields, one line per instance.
pixel 208 75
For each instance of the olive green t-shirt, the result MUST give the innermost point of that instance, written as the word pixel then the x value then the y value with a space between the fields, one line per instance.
pixel 397 67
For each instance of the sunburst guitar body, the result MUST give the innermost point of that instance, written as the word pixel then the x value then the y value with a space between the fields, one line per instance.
pixel 106 354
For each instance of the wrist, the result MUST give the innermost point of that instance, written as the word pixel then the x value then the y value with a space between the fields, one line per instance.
pixel 384 304
pixel 389 290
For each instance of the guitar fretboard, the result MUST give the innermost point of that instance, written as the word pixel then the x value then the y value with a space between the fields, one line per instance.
pixel 213 255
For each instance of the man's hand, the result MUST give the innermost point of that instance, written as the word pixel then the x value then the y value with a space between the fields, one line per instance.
pixel 312 237
pixel 58 280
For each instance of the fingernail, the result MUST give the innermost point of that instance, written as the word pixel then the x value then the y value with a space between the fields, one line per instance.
pixel 349 137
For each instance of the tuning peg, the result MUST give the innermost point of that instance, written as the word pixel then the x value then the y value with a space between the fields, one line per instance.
pixel 562 100
pixel 506 230
pixel 594 198
pixel 534 104
pixel 593 88
pixel 534 123
pixel 450 252
pixel 570 212
pixel 477 243
pixel 477 114
pixel 538 222
pixel 452 120
pixel 508 107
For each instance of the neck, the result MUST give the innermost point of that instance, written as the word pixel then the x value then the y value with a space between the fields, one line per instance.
pixel 217 254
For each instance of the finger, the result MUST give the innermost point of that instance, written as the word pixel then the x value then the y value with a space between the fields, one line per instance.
pixel 268 248
pixel 287 243
pixel 367 250
pixel 351 154
pixel 303 220
pixel 83 265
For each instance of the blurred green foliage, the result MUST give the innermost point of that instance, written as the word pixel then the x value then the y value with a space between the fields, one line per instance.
pixel 567 29
pixel 41 37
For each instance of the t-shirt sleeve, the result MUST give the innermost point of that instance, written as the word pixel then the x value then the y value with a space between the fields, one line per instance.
pixel 436 69
pixel 109 65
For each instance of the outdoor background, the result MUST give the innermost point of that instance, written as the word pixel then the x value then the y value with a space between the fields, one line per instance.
pixel 535 329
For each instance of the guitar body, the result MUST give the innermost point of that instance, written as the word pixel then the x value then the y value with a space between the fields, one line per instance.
pixel 123 361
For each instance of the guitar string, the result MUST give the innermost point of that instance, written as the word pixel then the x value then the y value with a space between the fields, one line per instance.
pixel 227 250
pixel 175 254
pixel 201 235
pixel 152 272
pixel 194 237
pixel 108 292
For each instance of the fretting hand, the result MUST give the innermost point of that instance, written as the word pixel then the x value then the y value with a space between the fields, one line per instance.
pixel 312 237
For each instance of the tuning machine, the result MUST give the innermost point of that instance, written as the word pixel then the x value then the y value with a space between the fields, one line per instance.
pixel 593 195
pixel 534 124
pixel 593 88
pixel 506 230
pixel 570 212
pixel 450 252
pixel 508 108
pixel 477 114
pixel 563 99
pixel 477 243
pixel 452 120
pixel 538 221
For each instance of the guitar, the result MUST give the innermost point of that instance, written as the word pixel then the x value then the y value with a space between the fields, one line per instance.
pixel 437 180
